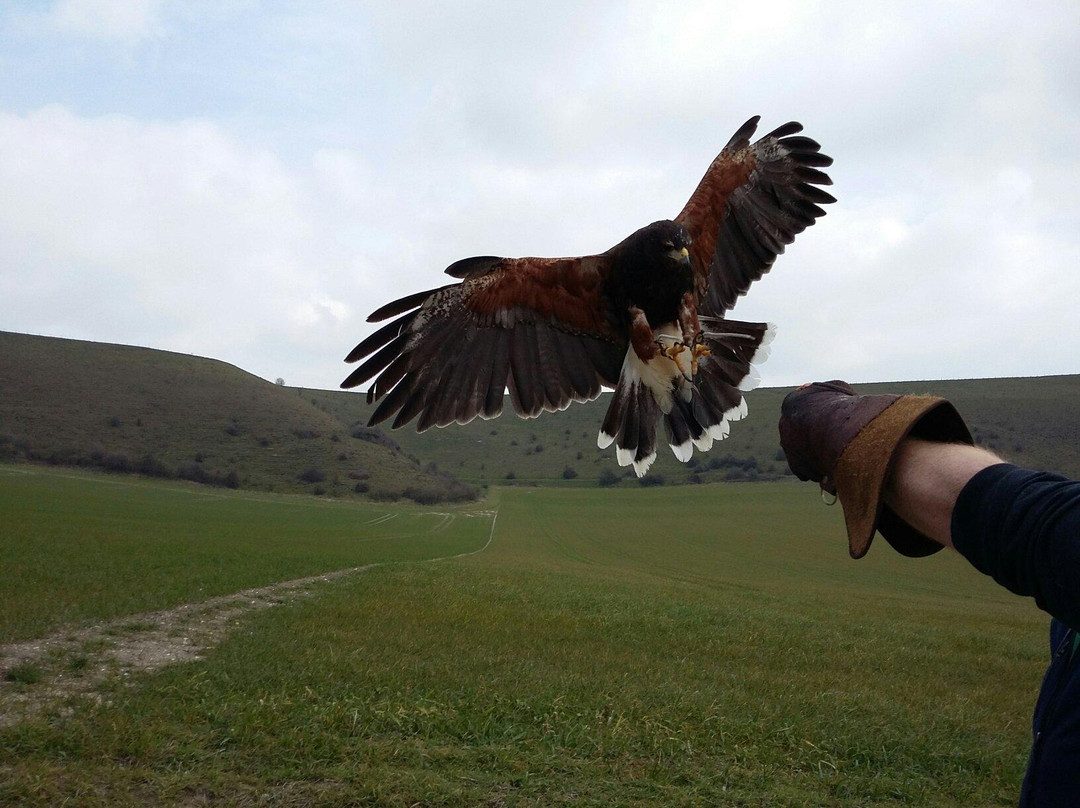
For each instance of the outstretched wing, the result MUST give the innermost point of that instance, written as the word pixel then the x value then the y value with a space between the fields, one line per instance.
pixel 751 203
pixel 541 327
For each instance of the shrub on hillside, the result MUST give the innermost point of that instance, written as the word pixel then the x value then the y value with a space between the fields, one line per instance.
pixel 115 462
pixel 373 434
pixel 197 474
pixel 608 478
pixel 385 495
pixel 569 473
pixel 312 475
pixel 650 480
pixel 152 467
pixel 741 475
pixel 732 462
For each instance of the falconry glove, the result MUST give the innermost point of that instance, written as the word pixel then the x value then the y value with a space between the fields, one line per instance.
pixel 846 443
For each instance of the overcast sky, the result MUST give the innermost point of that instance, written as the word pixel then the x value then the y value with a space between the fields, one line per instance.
pixel 248 180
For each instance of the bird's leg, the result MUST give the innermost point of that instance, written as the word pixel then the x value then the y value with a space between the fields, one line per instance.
pixel 647 344
pixel 644 343
pixel 691 330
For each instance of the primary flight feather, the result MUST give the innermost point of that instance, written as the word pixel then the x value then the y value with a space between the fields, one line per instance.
pixel 646 317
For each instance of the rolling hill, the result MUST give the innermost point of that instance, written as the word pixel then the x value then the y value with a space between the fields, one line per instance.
pixel 136 409
pixel 131 409
pixel 1033 422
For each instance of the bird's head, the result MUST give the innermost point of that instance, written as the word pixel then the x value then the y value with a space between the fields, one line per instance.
pixel 665 238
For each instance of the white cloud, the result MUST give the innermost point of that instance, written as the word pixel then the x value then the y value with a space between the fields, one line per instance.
pixel 127 20
pixel 173 235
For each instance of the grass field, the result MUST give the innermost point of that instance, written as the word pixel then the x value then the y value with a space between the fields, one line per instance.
pixel 80 546
pixel 705 645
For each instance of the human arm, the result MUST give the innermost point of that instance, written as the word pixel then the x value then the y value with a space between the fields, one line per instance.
pixel 925 480
pixel 905 466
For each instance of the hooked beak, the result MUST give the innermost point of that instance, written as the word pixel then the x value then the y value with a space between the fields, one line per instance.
pixel 680 255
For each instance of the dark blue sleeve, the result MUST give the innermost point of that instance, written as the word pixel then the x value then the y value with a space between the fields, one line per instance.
pixel 1023 529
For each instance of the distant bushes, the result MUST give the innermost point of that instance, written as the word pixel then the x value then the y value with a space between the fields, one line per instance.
pixel 608 478
pixel 197 474
pixel 374 435
pixel 736 469
pixel 732 462
pixel 117 463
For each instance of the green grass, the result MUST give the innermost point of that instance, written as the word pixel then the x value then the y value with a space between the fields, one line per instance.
pixel 24 674
pixel 707 645
pixel 78 546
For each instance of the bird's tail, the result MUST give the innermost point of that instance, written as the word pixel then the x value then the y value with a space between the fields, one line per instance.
pixel 721 379
pixel 696 413
pixel 645 390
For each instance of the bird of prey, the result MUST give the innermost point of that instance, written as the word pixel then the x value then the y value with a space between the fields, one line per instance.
pixel 646 317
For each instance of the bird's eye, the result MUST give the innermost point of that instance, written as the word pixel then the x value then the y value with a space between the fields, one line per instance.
pixel 669 245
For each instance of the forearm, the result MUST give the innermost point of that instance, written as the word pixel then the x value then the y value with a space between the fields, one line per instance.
pixel 925 480
pixel 1020 527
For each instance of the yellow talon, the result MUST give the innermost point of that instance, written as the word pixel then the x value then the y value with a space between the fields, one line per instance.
pixel 672 351
pixel 699 351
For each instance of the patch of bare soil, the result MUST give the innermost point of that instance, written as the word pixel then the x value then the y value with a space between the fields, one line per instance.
pixel 42 673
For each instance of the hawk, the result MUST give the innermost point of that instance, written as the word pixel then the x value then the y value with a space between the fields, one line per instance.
pixel 646 318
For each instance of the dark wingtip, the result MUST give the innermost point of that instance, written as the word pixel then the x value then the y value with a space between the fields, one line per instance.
pixel 789 128
pixel 400 305
pixel 741 138
pixel 815 194
pixel 808 174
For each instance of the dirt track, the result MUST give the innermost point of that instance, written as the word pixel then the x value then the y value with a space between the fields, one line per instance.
pixel 79 661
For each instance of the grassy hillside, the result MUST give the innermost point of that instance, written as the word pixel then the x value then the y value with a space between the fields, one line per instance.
pixel 1031 421
pixel 166 414
pixel 138 409
pixel 708 645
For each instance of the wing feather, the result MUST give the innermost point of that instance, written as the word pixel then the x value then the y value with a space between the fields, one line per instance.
pixel 542 328
pixel 752 202
pixel 500 368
